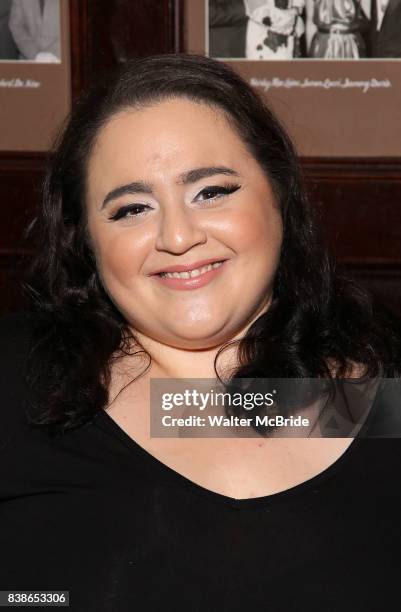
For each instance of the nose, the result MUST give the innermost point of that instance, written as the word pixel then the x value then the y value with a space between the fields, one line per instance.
pixel 179 230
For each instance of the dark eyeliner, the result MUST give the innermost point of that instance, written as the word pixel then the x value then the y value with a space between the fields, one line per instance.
pixel 217 190
pixel 227 189
pixel 121 212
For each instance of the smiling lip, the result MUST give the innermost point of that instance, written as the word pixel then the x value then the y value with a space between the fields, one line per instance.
pixel 187 267
pixel 186 284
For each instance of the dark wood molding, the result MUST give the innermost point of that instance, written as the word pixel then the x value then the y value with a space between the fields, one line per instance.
pixel 120 29
pixel 79 37
pixel 350 168
pixel 383 281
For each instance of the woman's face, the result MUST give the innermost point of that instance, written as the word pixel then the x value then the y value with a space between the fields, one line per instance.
pixel 173 184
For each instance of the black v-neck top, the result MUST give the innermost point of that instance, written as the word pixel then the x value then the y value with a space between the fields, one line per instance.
pixel 94 513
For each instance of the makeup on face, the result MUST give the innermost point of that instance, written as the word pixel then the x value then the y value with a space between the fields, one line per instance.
pixel 184 222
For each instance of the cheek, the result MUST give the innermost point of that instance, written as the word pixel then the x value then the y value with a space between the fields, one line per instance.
pixel 258 231
pixel 119 257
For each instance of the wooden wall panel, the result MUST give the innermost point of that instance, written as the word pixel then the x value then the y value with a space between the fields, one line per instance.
pixel 360 206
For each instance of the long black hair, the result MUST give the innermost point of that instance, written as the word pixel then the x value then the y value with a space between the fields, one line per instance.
pixel 319 322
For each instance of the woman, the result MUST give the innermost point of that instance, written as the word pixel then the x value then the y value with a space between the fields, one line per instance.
pixel 175 161
pixel 336 29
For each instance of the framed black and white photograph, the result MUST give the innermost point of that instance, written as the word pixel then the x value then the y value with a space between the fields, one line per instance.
pixel 30 30
pixel 331 69
pixel 35 80
pixel 304 29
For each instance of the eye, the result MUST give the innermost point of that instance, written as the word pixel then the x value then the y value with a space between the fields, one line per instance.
pixel 123 212
pixel 207 193
pixel 215 191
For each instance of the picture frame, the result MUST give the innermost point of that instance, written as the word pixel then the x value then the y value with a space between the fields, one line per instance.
pixel 332 108
pixel 35 73
pixel 22 169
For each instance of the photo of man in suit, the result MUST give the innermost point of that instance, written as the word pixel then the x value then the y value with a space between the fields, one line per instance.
pixel 35 27
pixel 385 28
pixel 227 28
pixel 8 49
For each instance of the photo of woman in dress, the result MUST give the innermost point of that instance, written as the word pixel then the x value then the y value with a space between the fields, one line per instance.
pixel 335 29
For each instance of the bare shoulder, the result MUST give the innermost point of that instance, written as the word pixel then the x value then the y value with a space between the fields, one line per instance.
pixel 353 370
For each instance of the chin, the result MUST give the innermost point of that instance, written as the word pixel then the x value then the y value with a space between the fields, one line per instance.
pixel 200 336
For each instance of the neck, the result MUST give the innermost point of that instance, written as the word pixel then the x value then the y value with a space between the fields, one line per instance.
pixel 172 362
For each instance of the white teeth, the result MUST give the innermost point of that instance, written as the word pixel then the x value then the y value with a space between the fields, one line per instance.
pixel 191 273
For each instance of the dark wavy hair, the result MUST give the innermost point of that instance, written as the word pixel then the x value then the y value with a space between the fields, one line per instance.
pixel 319 321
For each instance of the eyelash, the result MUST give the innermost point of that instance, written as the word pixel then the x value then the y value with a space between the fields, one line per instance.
pixel 218 190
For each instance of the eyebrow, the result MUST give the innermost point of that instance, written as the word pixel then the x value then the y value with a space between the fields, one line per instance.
pixel 187 178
